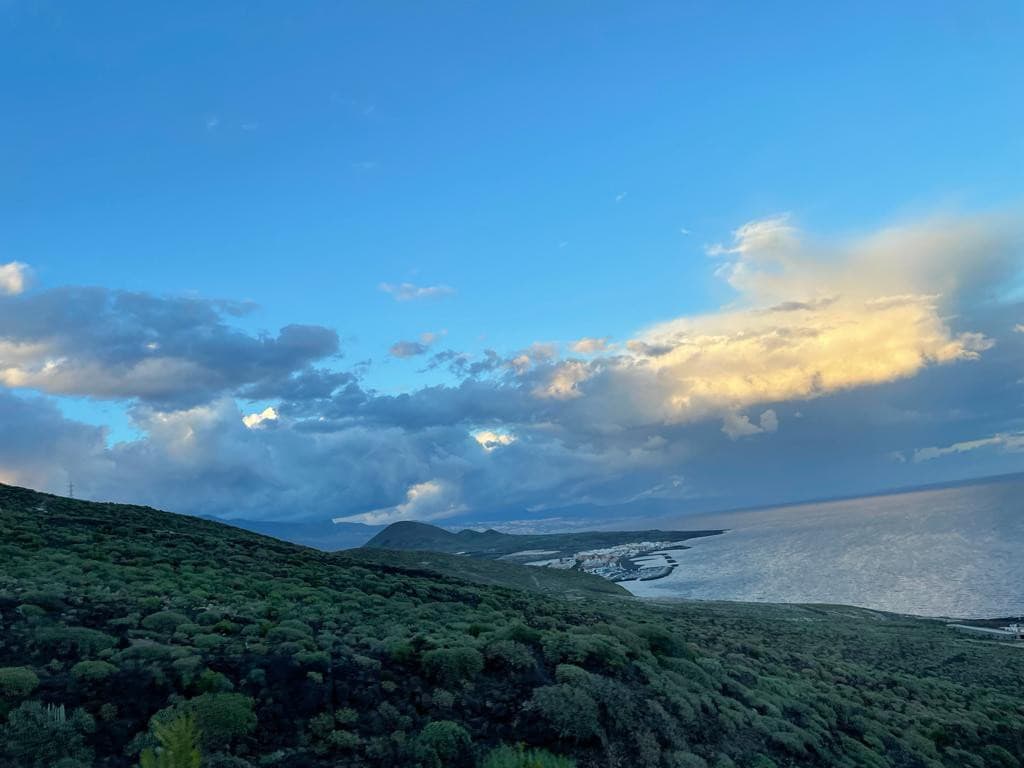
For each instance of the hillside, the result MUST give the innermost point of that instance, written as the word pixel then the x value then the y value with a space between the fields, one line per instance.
pixel 122 623
pixel 410 535
pixel 546 581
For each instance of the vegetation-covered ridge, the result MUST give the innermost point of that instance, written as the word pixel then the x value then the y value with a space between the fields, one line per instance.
pixel 130 635
pixel 412 535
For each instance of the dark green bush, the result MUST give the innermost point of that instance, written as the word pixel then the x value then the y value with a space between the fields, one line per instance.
pixel 17 682
pixel 164 621
pixel 520 757
pixel 38 736
pixel 569 711
pixel 444 744
pixel 452 665
pixel 93 671
pixel 220 717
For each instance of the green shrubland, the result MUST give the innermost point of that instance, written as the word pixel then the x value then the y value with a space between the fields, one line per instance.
pixel 130 637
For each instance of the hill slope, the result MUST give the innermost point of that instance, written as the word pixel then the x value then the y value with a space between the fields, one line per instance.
pixel 409 535
pixel 116 619
pixel 546 581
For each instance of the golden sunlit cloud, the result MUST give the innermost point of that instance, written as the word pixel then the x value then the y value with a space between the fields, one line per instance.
pixel 809 320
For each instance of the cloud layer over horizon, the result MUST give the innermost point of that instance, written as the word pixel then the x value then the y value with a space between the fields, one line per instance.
pixel 838 367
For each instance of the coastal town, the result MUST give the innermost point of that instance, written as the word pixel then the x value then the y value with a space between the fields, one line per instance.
pixel 634 561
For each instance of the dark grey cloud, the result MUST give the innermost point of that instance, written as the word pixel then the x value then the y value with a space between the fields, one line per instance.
pixel 162 350
pixel 357 450
pixel 41 448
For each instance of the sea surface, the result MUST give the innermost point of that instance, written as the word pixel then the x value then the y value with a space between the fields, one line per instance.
pixel 956 552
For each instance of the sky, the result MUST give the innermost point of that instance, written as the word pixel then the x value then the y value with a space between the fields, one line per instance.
pixel 455 261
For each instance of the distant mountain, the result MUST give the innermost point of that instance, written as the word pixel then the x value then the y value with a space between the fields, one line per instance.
pixel 494 544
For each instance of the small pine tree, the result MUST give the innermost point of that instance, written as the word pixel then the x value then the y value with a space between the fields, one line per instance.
pixel 179 745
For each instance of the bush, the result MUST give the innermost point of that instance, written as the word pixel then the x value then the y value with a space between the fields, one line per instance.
pixel 452 665
pixel 164 621
pixel 687 760
pixel 220 717
pixel 444 744
pixel 93 671
pixel 569 712
pixel 510 654
pixel 999 758
pixel 78 640
pixel 520 757
pixel 39 737
pixel 17 681
pixel 179 745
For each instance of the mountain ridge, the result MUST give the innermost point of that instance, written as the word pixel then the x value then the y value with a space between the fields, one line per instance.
pixel 412 535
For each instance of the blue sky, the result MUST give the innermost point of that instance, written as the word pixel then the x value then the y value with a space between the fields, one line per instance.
pixel 555 172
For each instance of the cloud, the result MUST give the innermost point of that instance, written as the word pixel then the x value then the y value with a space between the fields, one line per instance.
pixel 1012 442
pixel 809 320
pixel 414 348
pixel 14 278
pixel 766 236
pixel 261 419
pixel 864 348
pixel 430 500
pixel 589 345
pixel 408 349
pixel 43 449
pixel 491 439
pixel 411 291
pixel 736 425
pixel 171 351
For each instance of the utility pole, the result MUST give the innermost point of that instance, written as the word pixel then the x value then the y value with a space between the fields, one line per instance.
pixel 71 489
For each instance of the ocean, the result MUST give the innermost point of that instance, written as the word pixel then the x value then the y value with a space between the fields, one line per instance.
pixel 955 552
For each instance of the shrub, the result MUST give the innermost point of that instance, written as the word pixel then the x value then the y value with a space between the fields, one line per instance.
pixel 687 760
pixel 179 745
pixel 510 654
pixel 93 671
pixel 220 717
pixel 213 682
pixel 520 757
pixel 68 640
pixel 444 744
pixel 452 665
pixel 164 621
pixel 40 737
pixel 569 712
pixel 998 757
pixel 571 674
pixel 45 599
pixel 17 681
